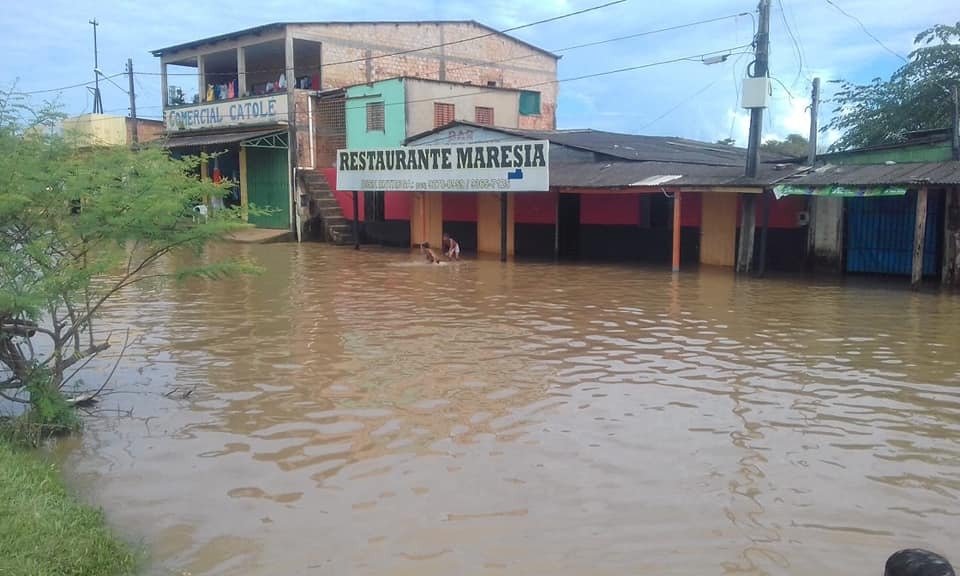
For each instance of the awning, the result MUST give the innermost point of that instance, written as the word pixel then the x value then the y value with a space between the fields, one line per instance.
pixel 196 140
pixel 838 191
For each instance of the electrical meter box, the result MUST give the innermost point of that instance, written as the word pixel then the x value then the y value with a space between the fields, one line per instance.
pixel 756 92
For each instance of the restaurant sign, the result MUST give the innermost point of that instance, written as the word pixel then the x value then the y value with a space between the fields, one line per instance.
pixel 506 166
pixel 225 113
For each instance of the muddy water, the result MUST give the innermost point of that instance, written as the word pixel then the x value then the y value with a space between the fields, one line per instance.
pixel 358 413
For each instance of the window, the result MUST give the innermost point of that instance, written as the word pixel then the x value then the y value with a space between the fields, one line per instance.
pixel 491 83
pixel 443 114
pixel 529 103
pixel 483 115
pixel 375 117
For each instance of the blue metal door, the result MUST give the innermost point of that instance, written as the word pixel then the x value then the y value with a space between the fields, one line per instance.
pixel 879 234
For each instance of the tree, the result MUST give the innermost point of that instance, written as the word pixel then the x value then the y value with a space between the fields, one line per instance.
pixel 794 146
pixel 916 97
pixel 78 226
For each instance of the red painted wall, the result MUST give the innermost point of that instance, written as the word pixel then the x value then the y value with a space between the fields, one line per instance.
pixel 397 205
pixel 610 209
pixel 345 199
pixel 534 208
pixel 459 207
pixel 783 212
pixel 691 209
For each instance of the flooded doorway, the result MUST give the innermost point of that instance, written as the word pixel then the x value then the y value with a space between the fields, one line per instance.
pixel 568 226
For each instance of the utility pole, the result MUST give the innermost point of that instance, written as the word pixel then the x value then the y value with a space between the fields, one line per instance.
pixel 814 114
pixel 748 219
pixel 135 128
pixel 812 160
pixel 760 68
pixel 97 102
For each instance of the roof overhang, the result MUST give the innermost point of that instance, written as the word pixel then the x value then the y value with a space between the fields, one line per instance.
pixel 198 140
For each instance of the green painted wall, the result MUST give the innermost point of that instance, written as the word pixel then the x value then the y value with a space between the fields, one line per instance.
pixel 917 153
pixel 393 95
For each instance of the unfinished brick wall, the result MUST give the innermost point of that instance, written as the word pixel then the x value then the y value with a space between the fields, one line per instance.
pixel 329 128
pixel 350 57
pixel 149 130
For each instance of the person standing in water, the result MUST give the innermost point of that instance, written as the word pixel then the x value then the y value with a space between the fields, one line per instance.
pixel 451 248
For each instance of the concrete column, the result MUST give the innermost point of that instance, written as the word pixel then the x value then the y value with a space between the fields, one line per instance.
pixel 290 75
pixel 163 84
pixel 241 71
pixel 826 234
pixel 202 78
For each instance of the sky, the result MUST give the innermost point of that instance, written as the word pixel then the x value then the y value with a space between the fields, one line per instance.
pixel 52 46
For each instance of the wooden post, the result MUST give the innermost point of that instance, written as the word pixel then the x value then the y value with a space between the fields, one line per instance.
pixel 918 238
pixel 676 230
pixel 503 226
pixel 951 238
pixel 748 226
pixel 356 221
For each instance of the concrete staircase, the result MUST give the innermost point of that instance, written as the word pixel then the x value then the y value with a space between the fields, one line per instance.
pixel 326 221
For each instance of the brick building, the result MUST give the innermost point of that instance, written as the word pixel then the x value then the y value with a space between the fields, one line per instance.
pixel 259 96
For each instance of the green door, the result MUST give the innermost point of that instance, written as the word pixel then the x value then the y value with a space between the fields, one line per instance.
pixel 268 186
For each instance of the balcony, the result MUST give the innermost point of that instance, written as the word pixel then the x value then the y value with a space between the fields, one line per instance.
pixel 247 84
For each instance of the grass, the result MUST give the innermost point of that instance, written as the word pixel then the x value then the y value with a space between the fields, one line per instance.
pixel 44 530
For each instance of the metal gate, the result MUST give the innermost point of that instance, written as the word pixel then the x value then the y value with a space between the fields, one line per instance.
pixel 879 235
pixel 268 181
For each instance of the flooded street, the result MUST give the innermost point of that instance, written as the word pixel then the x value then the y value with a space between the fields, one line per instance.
pixel 360 413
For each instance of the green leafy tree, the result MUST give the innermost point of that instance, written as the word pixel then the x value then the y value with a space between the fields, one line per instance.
pixel 78 226
pixel 794 146
pixel 916 97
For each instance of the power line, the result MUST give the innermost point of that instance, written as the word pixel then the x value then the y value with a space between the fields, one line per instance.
pixel 422 48
pixel 691 58
pixel 609 40
pixel 122 89
pixel 486 35
pixel 793 38
pixel 62 88
pixel 683 102
pixel 865 31
pixel 512 58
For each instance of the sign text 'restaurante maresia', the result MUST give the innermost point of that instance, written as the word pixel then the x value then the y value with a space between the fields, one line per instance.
pixel 514 166
pixel 445 158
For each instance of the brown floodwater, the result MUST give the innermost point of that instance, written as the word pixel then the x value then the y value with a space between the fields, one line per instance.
pixel 363 413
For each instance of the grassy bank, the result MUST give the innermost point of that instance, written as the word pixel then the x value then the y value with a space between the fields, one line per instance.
pixel 44 531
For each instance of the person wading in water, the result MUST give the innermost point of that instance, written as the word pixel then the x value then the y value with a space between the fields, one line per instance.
pixel 430 255
pixel 451 248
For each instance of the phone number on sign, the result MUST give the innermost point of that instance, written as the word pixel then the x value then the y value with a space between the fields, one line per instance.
pixel 442 185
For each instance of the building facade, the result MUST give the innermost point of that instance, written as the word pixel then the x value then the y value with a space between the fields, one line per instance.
pixel 258 96
pixel 385 114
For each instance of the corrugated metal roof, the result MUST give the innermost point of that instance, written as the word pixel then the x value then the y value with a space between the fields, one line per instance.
pixel 628 146
pixel 655 174
pixel 933 173
pixel 194 140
